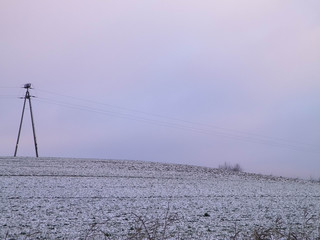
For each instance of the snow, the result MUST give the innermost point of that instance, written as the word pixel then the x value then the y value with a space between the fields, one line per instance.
pixel 64 198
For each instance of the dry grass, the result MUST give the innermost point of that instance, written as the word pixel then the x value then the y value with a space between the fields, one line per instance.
pixel 168 226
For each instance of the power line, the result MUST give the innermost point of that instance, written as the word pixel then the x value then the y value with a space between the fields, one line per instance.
pixel 197 129
pixel 8 87
pixel 8 96
pixel 215 128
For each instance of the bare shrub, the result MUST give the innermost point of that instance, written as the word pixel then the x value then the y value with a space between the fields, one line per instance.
pixel 235 232
pixel 229 167
pixel 314 180
pixel 155 228
pixel 279 230
pixel 140 227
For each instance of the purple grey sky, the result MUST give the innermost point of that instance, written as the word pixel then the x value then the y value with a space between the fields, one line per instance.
pixel 191 82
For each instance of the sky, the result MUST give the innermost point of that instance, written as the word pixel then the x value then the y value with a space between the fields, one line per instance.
pixel 187 82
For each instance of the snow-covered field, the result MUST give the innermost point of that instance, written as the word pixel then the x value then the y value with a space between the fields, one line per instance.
pixel 56 198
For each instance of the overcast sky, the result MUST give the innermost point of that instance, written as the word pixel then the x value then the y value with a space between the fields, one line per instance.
pixel 190 82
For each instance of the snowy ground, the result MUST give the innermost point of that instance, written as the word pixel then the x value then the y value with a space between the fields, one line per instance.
pixel 56 198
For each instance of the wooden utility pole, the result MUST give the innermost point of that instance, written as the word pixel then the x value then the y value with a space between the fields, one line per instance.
pixel 27 96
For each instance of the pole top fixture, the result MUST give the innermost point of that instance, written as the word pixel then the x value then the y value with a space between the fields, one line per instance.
pixel 27 85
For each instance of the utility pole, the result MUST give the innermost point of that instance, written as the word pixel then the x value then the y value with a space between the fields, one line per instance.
pixel 27 97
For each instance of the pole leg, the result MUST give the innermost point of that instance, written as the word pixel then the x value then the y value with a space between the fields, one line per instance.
pixel 33 128
pixel 24 106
